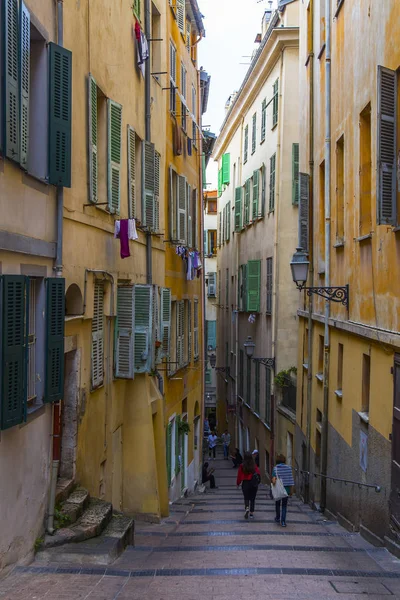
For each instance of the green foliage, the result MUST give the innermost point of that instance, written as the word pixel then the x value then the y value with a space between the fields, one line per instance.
pixel 183 428
pixel 60 519
pixel 283 378
pixel 38 543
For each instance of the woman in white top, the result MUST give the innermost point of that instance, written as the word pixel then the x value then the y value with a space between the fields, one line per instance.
pixel 212 444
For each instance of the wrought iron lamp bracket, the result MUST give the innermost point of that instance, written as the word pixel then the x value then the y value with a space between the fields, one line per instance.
pixel 267 362
pixel 332 293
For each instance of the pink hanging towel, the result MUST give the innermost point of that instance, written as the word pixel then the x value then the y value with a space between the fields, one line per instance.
pixel 124 239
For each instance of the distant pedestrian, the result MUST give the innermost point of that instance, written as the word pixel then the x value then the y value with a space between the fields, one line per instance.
pixel 249 476
pixel 226 441
pixel 237 458
pixel 256 457
pixel 207 475
pixel 212 444
pixel 206 427
pixel 285 474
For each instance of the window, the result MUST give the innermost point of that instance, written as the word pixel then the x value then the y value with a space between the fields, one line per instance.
pixel 194 110
pixel 248 382
pixel 195 227
pixel 272 166
pixel 241 373
pixel 226 168
pixel 180 334
pixel 269 285
pixel 366 382
pixel 212 285
pixel 253 285
pixel 243 287
pixel 227 288
pixel 172 77
pixel 143 329
pixel 228 222
pixel 304 179
pixel 188 35
pixel 178 206
pixel 98 335
pixel 254 133
pixel 150 187
pixel 257 389
pixel 339 383
pixel 180 16
pixel 268 396
pixel 340 189
pixel 212 241
pixel 183 91
pixel 172 366
pixel 275 103
pixel 156 47
pixel 321 213
pixel 365 224
pixel 256 188
pixel 196 329
pixel 247 188
pixel 211 335
pixel 320 355
pixel 212 207
pixel 246 143
pixel 208 376
pixel 219 182
pixel 295 174
pixel 263 120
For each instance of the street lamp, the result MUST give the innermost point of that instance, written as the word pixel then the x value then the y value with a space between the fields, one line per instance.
pixel 299 266
pixel 249 347
pixel 213 361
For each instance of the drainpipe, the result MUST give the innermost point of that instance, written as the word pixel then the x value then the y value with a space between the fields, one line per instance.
pixel 324 444
pixel 56 409
pixel 147 104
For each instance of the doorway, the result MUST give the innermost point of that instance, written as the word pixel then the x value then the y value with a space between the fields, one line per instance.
pixel 69 414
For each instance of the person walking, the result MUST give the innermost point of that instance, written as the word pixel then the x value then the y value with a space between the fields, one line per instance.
pixel 249 476
pixel 237 458
pixel 207 475
pixel 226 441
pixel 285 474
pixel 212 444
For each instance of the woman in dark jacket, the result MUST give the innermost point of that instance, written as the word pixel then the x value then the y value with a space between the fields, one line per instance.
pixel 249 476
pixel 237 459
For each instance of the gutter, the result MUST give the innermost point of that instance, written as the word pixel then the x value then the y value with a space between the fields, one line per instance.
pixel 147 104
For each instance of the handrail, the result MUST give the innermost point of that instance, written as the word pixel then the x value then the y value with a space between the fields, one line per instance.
pixel 377 488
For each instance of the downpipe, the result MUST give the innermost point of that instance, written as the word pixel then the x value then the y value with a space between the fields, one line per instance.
pixel 147 104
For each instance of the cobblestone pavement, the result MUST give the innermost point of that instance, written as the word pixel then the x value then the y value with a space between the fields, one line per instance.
pixel 206 549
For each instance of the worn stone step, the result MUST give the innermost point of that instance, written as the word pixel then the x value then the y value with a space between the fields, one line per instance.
pixel 75 505
pixel 100 550
pixel 63 489
pixel 94 519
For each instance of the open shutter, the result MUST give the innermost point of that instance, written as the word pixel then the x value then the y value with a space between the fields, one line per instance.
pixel 157 160
pixel 387 129
pixel 179 332
pixel 195 233
pixel 156 327
pixel 226 168
pixel 60 115
pixel 148 172
pixel 182 204
pixel 165 321
pixel 93 171
pixel 188 36
pixel 238 209
pixel 12 96
pixel 304 210
pixel 253 285
pixel 143 321
pixel 131 172
pixel 190 219
pixel 189 323
pixel 263 189
pixel 124 349
pixel 295 174
pixel 98 335
pixel 269 286
pixel 13 349
pixel 228 221
pixel 114 141
pixel 169 449
pixel 247 202
pixel 196 329
pixel 55 317
pixel 25 50
pixel 272 162
pixel 256 176
pixel 263 119
pixel 205 249
pixel 244 299
pixel 177 440
pixel 180 16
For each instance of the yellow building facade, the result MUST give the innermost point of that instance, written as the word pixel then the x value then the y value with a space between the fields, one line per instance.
pixel 348 362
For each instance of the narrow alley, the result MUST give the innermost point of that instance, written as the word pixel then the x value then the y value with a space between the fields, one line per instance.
pixel 206 548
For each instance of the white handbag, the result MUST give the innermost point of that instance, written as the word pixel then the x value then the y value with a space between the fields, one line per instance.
pixel 278 490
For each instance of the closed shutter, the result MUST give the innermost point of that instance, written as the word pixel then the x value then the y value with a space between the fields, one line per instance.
pixel 188 40
pixel 226 168
pixel 387 130
pixel 98 335
pixel 189 215
pixel 114 141
pixel 228 221
pixel 172 205
pixel 156 328
pixel 182 205
pixel 263 189
pixel 165 321
pixel 143 322
pixel 25 50
pixel 124 349
pixel 219 182
pixel 247 202
pixel 93 163
pixel 295 174
pixel 180 341
pixel 256 176
pixel 169 450
pixel 157 161
pixel 55 317
pixel 254 134
pixel 194 220
pixel 238 209
pixel 269 286
pixel 131 173
pixel 177 444
pixel 245 308
pixel 253 285
pixel 13 349
pixel 189 318
pixel 268 395
pixel 223 224
pixel 148 178
pixel 12 96
pixel 211 335
pixel 60 117
pixel 304 210
pixel 275 103
pixel 263 119
pixel 212 282
pixel 246 143
pixel 196 329
pixel 272 162
pixel 205 242
pixel 180 17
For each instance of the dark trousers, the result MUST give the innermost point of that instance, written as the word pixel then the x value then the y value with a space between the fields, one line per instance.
pixel 211 479
pixel 279 515
pixel 211 450
pixel 249 494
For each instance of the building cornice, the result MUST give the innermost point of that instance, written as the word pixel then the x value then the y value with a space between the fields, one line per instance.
pixel 279 39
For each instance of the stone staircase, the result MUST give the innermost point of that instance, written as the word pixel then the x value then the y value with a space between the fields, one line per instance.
pixel 87 530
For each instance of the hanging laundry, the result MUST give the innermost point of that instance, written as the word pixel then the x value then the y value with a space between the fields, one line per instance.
pixel 132 233
pixel 178 148
pixel 124 239
pixel 189 271
pixel 142 47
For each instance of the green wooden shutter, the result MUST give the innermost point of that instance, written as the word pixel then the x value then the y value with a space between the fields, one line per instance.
pixel 124 349
pixel 226 168
pixel 269 285
pixel 228 221
pixel 219 182
pixel 190 329
pixel 189 216
pixel 182 205
pixel 238 209
pixel 304 210
pixel 180 341
pixel 247 202
pixel 256 176
pixel 92 121
pixel 196 329
pixel 148 188
pixel 180 16
pixel 212 334
pixel 60 118
pixel 295 174
pixel 98 335
pixel 157 162
pixel 156 328
pixel 275 103
pixel 114 141
pixel 13 349
pixel 143 333
pixel 55 318
pixel 169 449
pixel 165 321
pixel 177 444
pixel 263 119
pixel 25 53
pixel 254 134
pixel 257 389
pixel 387 130
pixel 263 189
pixel 131 172
pixel 253 285
pixel 246 143
pixel 12 97
pixel 205 242
pixel 244 284
pixel 272 162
